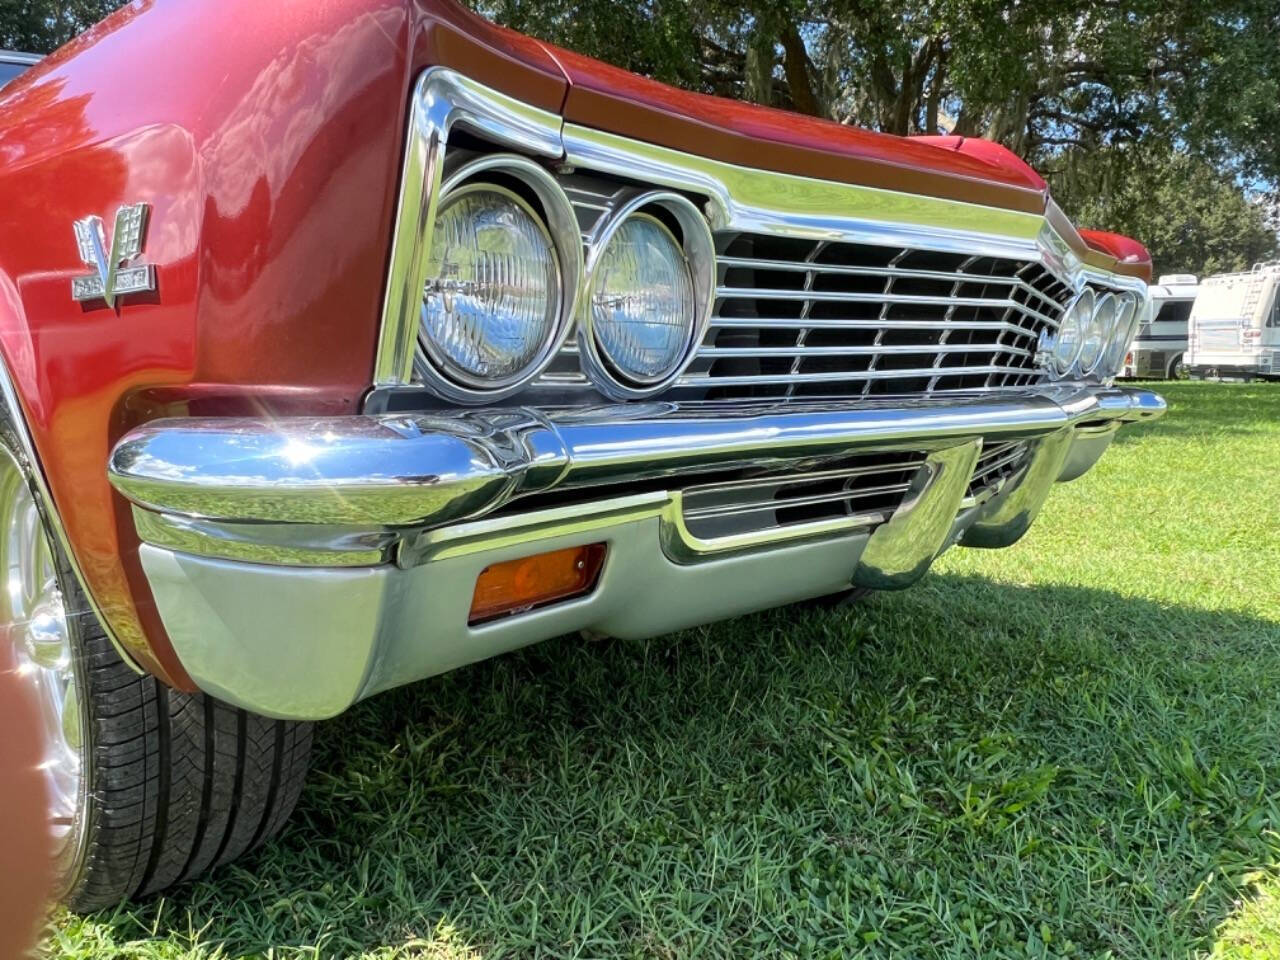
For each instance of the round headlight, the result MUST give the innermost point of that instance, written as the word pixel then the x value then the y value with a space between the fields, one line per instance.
pixel 1097 332
pixel 492 304
pixel 642 307
pixel 1071 332
pixel 648 295
pixel 1121 333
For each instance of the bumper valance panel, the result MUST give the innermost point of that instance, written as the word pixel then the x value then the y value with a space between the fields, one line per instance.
pixel 300 565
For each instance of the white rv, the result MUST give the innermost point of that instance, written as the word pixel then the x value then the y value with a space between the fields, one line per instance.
pixel 1157 351
pixel 1234 330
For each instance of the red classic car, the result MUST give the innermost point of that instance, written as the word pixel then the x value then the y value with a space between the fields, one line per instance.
pixel 366 339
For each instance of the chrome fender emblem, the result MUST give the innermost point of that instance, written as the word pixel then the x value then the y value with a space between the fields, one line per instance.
pixel 111 278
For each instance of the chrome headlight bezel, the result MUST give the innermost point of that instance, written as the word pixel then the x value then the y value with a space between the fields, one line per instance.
pixel 1101 323
pixel 698 248
pixel 521 181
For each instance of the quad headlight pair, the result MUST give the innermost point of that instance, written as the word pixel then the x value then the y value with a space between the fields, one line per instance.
pixel 1093 334
pixel 507 281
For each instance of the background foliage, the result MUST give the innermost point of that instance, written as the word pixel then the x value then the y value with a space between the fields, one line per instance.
pixel 1156 118
pixel 41 26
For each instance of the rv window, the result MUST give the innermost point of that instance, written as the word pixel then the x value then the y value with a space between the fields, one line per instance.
pixel 1174 311
pixel 1274 319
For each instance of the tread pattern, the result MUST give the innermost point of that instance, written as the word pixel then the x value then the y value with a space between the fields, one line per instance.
pixel 179 783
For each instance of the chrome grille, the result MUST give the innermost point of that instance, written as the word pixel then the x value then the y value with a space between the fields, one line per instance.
pixel 997 462
pixel 865 490
pixel 805 318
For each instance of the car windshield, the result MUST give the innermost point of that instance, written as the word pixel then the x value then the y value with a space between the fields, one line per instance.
pixel 9 70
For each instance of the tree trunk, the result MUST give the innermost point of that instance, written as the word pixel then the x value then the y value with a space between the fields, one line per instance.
pixel 795 64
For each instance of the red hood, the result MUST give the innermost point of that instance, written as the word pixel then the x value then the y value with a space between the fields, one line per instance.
pixel 609 98
pixel 1124 251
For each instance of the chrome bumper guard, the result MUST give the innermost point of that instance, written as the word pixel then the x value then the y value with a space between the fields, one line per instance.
pixel 302 564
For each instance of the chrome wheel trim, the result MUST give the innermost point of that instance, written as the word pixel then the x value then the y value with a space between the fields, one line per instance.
pixel 35 619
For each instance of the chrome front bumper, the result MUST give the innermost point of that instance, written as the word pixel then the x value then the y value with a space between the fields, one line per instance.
pixel 300 565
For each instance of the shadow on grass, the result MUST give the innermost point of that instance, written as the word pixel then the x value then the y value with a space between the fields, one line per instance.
pixel 967 768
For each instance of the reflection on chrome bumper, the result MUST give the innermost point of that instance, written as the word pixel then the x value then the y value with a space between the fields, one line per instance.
pixel 300 565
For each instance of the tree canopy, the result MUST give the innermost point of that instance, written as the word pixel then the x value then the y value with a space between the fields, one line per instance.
pixel 1073 86
pixel 1116 102
pixel 41 26
pixel 1191 216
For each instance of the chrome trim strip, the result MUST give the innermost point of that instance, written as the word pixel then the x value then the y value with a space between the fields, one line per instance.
pixel 807 351
pixel 761 201
pixel 12 414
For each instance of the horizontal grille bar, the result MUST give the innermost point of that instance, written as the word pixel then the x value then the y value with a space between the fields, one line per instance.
pixel 735 509
pixel 845 375
pixel 818 269
pixel 846 473
pixel 841 296
pixel 803 351
pixel 813 323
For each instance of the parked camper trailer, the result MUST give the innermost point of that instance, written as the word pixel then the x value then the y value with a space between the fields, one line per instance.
pixel 1157 351
pixel 1234 329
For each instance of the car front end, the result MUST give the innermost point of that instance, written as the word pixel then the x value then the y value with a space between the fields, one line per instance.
pixel 442 342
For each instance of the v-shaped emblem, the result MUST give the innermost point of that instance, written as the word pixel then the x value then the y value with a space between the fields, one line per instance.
pixel 111 278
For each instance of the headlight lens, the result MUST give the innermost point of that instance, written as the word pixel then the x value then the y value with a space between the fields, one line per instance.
pixel 493 304
pixel 1071 332
pixel 1097 332
pixel 642 301
pixel 1121 334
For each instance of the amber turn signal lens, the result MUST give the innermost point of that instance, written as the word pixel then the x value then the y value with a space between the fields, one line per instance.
pixel 518 585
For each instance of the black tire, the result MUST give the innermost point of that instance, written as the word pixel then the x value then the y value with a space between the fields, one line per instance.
pixel 171 784
pixel 177 783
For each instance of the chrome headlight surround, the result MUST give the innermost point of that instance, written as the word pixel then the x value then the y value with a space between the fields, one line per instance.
pixel 698 248
pixel 1128 315
pixel 500 173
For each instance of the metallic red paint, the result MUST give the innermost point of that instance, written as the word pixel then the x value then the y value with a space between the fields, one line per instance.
pixel 269 153
pixel 609 98
pixel 1121 250
pixel 268 138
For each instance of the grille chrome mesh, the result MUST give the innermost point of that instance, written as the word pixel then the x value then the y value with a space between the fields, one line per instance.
pixel 806 318
pixel 868 487
pixel 997 462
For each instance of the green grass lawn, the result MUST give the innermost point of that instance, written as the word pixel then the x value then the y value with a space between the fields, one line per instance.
pixel 1067 748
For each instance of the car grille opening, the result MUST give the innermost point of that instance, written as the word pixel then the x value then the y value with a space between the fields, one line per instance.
pixel 866 489
pixel 996 464
pixel 805 318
